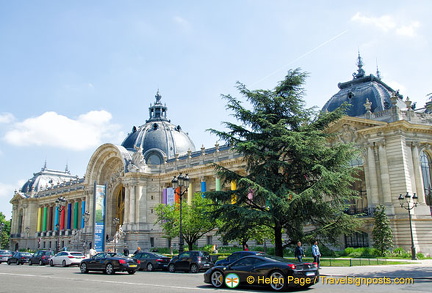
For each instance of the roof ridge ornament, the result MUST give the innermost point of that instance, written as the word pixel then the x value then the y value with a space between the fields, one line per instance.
pixel 360 71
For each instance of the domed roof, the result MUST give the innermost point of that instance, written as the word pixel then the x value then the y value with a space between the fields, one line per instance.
pixel 46 179
pixel 361 90
pixel 158 138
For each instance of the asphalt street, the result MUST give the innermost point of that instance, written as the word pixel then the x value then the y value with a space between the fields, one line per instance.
pixel 415 278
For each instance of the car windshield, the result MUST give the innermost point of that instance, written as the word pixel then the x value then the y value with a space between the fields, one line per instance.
pixel 158 255
pixel 77 254
pixel 275 258
pixel 26 254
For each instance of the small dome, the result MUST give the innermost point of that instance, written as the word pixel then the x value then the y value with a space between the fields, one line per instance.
pixel 46 179
pixel 158 138
pixel 361 90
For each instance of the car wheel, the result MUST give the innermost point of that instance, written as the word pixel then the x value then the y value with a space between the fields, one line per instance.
pixel 51 263
pixel 64 263
pixel 278 286
pixel 40 263
pixel 171 268
pixel 217 279
pixel 17 263
pixel 194 268
pixel 83 268
pixel 150 267
pixel 131 272
pixel 9 263
pixel 109 269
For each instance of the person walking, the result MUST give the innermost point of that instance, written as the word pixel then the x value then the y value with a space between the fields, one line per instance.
pixel 316 253
pixel 138 250
pixel 299 252
pixel 126 251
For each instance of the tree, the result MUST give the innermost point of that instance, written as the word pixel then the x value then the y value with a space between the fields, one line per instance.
pixel 196 219
pixel 294 176
pixel 4 231
pixel 382 233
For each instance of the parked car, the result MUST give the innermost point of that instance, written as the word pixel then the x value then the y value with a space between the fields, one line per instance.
pixel 151 261
pixel 109 263
pixel 67 258
pixel 190 261
pixel 4 255
pixel 235 256
pixel 19 258
pixel 263 270
pixel 41 257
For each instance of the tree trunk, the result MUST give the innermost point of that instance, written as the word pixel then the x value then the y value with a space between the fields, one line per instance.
pixel 278 239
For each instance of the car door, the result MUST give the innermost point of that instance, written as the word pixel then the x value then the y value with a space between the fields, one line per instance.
pixel 183 261
pixel 244 268
pixel 59 257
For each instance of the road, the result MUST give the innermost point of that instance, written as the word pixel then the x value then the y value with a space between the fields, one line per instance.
pixel 36 279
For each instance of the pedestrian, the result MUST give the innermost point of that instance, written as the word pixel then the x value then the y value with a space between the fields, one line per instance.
pixel 126 251
pixel 299 252
pixel 316 253
pixel 138 250
pixel 92 252
pixel 245 247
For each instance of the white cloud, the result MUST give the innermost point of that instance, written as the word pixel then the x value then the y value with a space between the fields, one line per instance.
pixel 51 129
pixel 6 118
pixel 182 23
pixel 409 30
pixel 388 23
pixel 397 86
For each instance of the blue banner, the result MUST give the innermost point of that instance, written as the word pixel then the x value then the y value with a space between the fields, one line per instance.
pixel 99 217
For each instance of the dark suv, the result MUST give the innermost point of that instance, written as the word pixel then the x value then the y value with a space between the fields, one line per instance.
pixel 190 261
pixel 235 256
pixel 41 257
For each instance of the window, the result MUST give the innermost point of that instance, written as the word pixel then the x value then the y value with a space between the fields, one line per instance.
pixel 425 161
pixel 358 239
pixel 209 240
pixel 151 241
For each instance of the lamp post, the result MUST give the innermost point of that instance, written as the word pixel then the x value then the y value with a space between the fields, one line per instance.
pixel 1 233
pixel 181 181
pixel 409 202
pixel 116 221
pixel 27 229
pixel 60 204
pixel 86 219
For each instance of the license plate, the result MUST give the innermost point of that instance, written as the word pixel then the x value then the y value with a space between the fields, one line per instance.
pixel 308 274
pixel 132 266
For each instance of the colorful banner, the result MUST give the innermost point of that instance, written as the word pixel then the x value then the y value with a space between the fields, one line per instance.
pixel 170 195
pixel 99 217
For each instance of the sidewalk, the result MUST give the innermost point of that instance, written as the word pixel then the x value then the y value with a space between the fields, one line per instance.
pixel 422 269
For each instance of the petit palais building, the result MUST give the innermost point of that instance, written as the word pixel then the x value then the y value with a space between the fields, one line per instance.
pixel 113 205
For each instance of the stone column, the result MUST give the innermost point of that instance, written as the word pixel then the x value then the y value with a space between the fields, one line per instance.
pixel 372 175
pixel 385 177
pixel 419 188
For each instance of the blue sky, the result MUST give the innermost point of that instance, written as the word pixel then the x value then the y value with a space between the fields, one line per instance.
pixel 77 74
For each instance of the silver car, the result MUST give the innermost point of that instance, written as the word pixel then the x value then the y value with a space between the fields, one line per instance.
pixel 4 255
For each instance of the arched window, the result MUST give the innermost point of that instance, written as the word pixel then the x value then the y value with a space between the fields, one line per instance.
pixel 426 164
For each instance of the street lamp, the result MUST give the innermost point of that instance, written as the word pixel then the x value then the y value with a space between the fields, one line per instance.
pixel 181 181
pixel 1 233
pixel 409 202
pixel 116 221
pixel 27 229
pixel 86 219
pixel 60 204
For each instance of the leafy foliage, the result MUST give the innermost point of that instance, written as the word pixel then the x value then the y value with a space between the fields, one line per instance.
pixel 382 232
pixel 294 177
pixel 196 219
pixel 5 231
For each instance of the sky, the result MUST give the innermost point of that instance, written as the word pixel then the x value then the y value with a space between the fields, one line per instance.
pixel 77 74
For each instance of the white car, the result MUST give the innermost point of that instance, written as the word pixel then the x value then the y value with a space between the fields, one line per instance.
pixel 66 258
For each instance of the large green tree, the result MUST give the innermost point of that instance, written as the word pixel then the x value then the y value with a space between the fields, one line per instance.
pixel 196 216
pixel 382 233
pixel 295 177
pixel 4 231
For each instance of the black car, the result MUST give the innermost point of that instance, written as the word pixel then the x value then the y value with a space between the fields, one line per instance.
pixel 109 263
pixel 41 257
pixel 151 261
pixel 190 261
pixel 235 256
pixel 19 258
pixel 263 270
